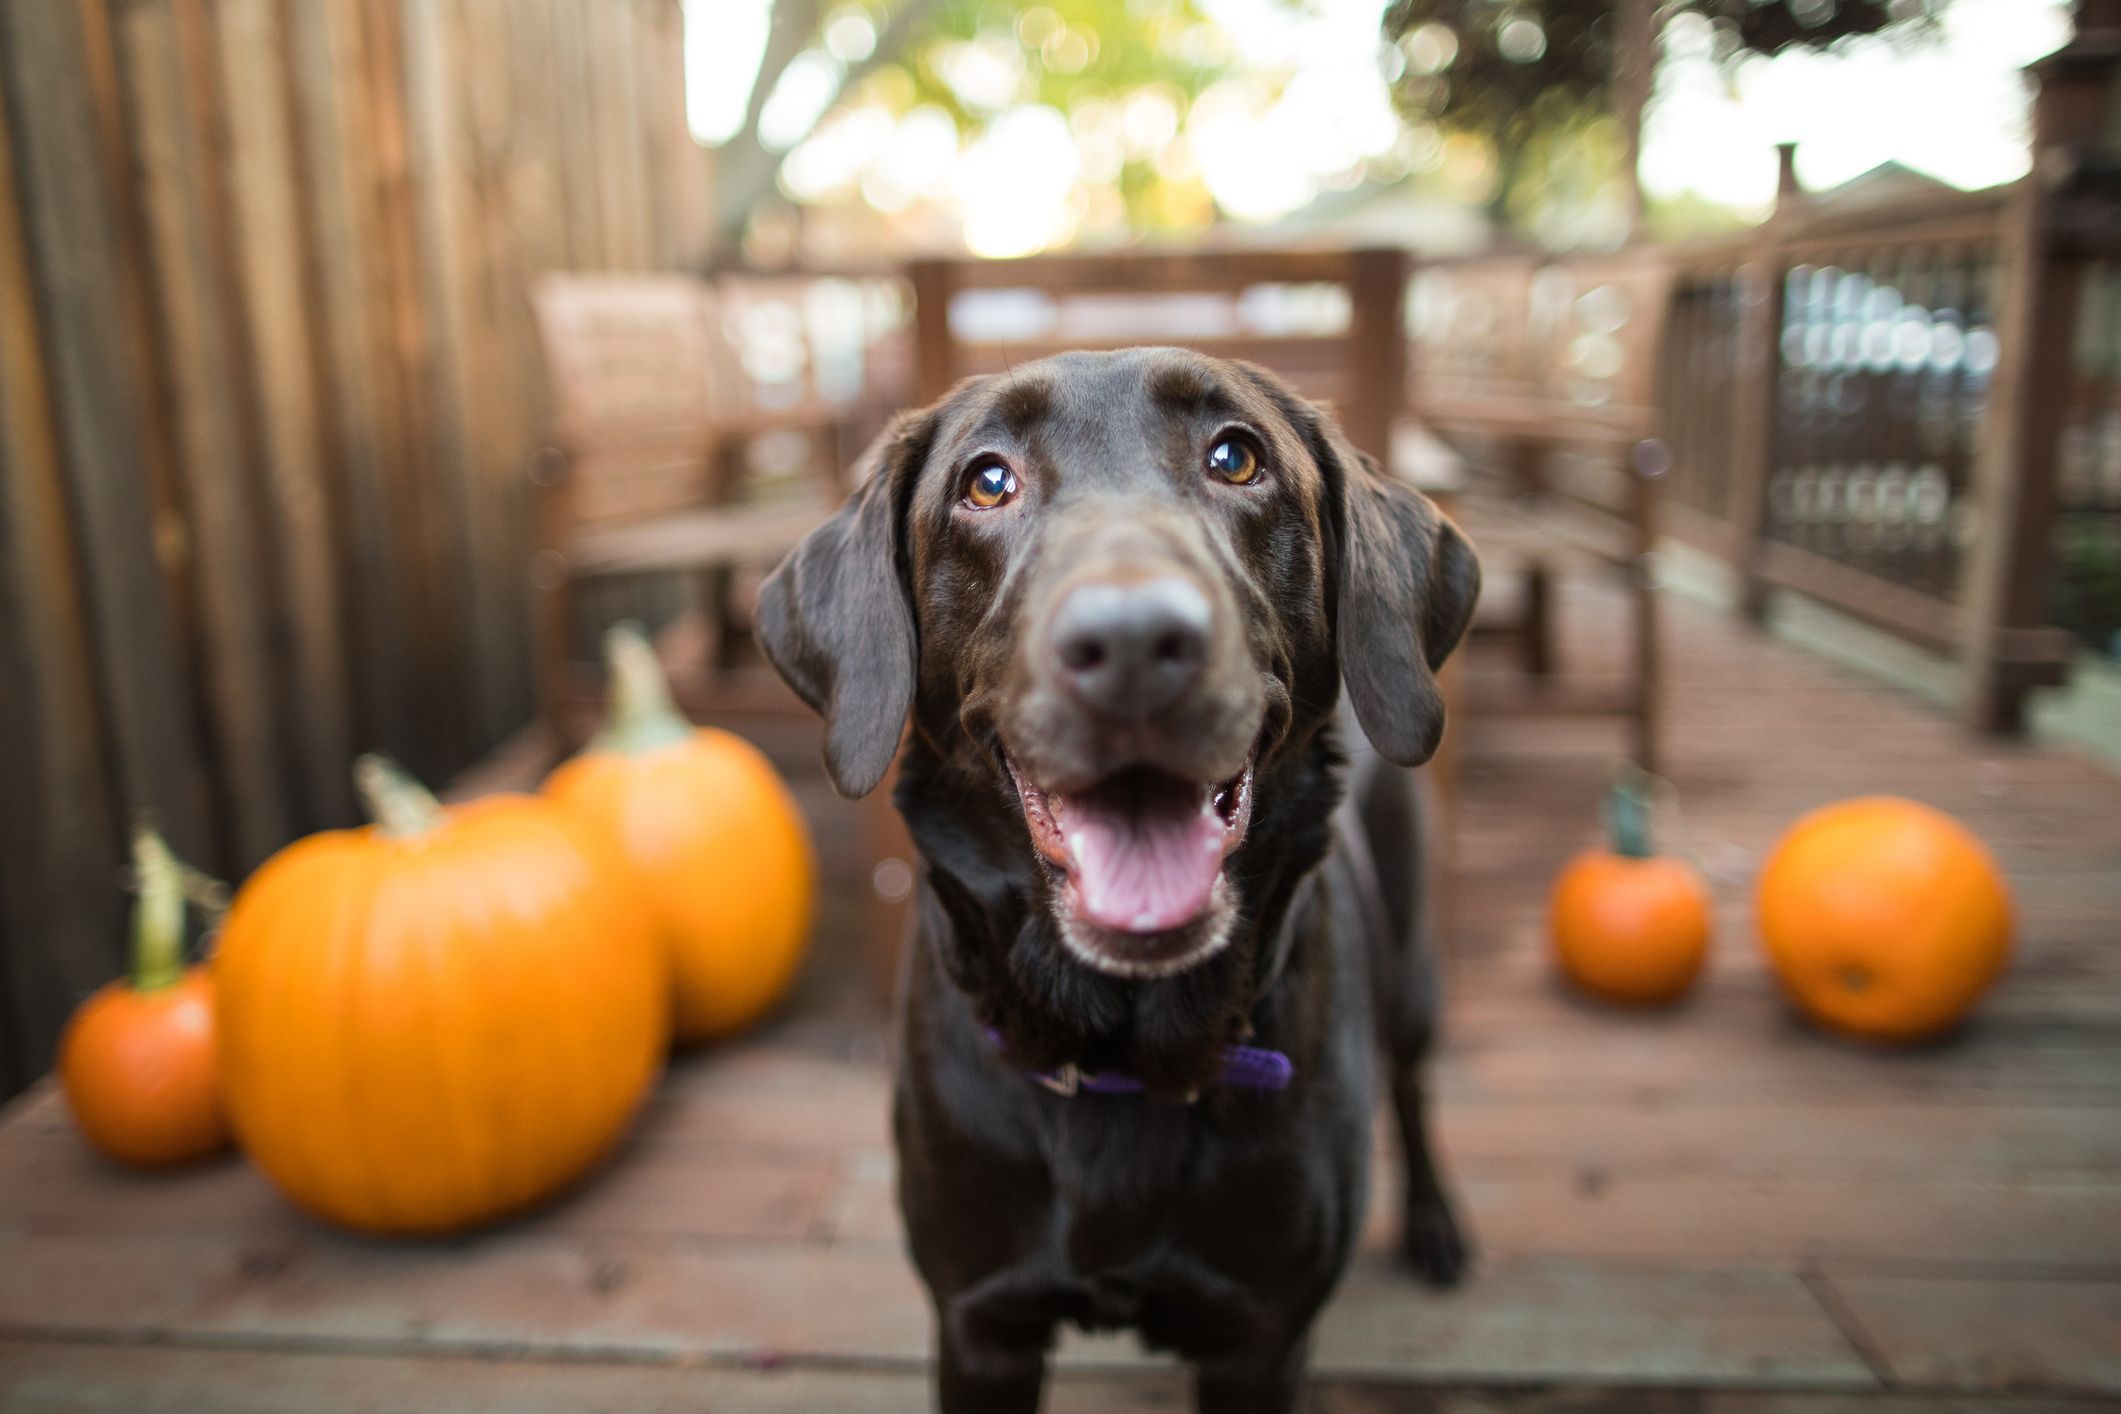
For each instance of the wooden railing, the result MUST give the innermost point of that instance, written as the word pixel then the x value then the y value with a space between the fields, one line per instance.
pixel 1888 409
pixel 1825 388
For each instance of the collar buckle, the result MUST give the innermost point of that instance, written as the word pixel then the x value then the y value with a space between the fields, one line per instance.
pixel 1064 1082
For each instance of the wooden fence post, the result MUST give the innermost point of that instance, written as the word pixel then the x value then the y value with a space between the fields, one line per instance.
pixel 1377 349
pixel 934 353
pixel 1759 372
pixel 2003 583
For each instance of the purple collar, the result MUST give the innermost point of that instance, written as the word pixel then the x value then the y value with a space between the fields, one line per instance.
pixel 1244 1068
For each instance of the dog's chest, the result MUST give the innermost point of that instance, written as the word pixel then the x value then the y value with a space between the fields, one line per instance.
pixel 1154 1197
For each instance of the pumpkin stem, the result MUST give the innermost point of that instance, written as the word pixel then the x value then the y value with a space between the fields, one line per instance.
pixel 400 805
pixel 1628 812
pixel 204 892
pixel 158 913
pixel 642 717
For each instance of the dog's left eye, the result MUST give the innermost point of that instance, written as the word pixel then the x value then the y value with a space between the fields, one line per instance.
pixel 989 484
pixel 1235 460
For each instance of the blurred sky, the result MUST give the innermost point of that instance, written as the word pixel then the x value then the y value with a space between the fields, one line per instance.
pixel 1954 109
pixel 1306 109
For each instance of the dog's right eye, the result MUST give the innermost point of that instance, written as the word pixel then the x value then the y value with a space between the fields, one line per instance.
pixel 990 483
pixel 1235 460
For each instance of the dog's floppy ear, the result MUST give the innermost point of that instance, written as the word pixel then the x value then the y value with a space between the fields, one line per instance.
pixel 1408 580
pixel 836 617
pixel 1401 579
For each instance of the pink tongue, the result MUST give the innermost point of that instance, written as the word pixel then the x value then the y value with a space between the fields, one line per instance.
pixel 1144 862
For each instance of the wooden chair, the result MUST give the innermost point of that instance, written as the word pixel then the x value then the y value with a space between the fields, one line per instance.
pixel 1542 373
pixel 693 437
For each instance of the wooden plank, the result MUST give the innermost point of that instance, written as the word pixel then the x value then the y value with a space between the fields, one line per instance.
pixel 668 1184
pixel 1529 1321
pixel 2084 1071
pixel 508 418
pixel 1989 1332
pixel 428 611
pixel 1131 271
pixel 1800 1139
pixel 539 212
pixel 2057 1226
pixel 59 917
pixel 309 132
pixel 662 1299
pixel 264 182
pixel 620 123
pixel 508 1291
pixel 329 100
pixel 936 366
pixel 444 173
pixel 45 1378
pixel 577 158
pixel 1355 1397
pixel 174 100
pixel 755 535
pixel 672 161
pixel 1907 613
pixel 1756 375
pixel 134 547
pixel 1297 357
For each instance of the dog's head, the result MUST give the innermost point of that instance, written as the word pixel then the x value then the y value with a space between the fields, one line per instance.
pixel 1121 592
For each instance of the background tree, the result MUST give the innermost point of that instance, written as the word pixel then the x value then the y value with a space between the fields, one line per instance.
pixel 1537 80
pixel 1062 53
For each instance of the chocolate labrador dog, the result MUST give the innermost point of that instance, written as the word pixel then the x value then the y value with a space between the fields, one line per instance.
pixel 1170 900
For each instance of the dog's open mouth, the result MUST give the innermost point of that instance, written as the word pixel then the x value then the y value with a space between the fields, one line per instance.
pixel 1143 849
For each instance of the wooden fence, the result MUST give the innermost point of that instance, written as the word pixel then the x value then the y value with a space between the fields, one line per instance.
pixel 268 382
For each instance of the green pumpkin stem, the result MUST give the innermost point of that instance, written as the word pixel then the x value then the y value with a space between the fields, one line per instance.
pixel 400 805
pixel 1628 809
pixel 643 717
pixel 158 913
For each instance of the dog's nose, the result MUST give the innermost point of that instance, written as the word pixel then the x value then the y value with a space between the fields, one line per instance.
pixel 1129 651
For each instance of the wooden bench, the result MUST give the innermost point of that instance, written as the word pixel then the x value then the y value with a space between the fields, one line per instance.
pixel 1541 373
pixel 693 436
pixel 1326 320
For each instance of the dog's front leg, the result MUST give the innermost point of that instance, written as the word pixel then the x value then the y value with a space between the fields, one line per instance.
pixel 1270 1382
pixel 985 1368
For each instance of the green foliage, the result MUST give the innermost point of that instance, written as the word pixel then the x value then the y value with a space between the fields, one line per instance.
pixel 1524 74
pixel 1064 54
pixel 1071 50
pixel 1688 216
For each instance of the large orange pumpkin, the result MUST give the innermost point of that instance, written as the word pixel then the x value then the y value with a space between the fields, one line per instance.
pixel 442 1019
pixel 1629 925
pixel 137 1060
pixel 720 846
pixel 1884 918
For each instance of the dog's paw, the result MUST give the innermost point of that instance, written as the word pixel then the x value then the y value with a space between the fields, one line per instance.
pixel 1433 1246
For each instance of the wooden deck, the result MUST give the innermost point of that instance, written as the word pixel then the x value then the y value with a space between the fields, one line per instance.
pixel 1715 1210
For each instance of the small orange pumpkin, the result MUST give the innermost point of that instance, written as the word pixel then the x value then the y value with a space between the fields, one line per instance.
pixel 136 1062
pixel 1884 918
pixel 719 844
pixel 1629 925
pixel 441 1020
